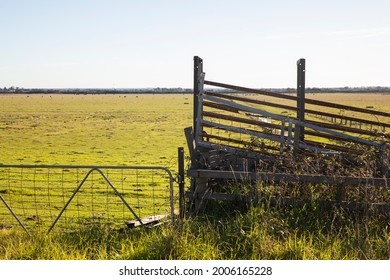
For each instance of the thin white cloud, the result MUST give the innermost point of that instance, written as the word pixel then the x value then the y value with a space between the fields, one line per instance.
pixel 362 33
pixel 285 36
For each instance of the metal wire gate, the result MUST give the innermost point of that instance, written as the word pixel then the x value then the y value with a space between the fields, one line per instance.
pixel 68 197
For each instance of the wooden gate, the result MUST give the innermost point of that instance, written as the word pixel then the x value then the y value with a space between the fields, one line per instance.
pixel 246 134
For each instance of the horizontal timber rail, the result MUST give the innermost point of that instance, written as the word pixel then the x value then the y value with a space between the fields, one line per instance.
pixel 270 125
pixel 282 118
pixel 308 101
pixel 308 111
pixel 221 138
pixel 323 124
pixel 289 178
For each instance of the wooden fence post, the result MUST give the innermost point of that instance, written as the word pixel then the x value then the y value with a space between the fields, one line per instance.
pixel 198 69
pixel 301 65
pixel 180 155
pixel 198 185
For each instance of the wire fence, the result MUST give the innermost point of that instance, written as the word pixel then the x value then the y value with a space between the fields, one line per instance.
pixel 69 197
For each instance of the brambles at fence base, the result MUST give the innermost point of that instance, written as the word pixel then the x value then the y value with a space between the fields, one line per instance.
pixel 70 197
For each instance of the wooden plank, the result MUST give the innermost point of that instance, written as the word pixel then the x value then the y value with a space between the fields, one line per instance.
pixel 218 196
pixel 294 109
pixel 221 174
pixel 348 129
pixel 242 131
pixel 245 108
pixel 220 107
pixel 234 151
pixel 310 124
pixel 241 142
pixel 227 128
pixel 250 90
pixel 289 178
pixel 311 145
pixel 274 126
pixel 190 141
pixel 285 119
pixel 252 101
pixel 146 220
pixel 346 118
pixel 329 137
pixel 320 124
pixel 289 97
pixel 241 120
pixel 336 133
pixel 237 151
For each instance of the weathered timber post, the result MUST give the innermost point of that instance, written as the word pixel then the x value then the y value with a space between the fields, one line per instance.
pixel 180 155
pixel 192 133
pixel 198 70
pixel 198 185
pixel 300 129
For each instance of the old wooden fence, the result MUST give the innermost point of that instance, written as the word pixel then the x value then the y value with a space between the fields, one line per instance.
pixel 246 134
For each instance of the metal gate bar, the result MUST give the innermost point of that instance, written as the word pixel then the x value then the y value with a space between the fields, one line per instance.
pixel 90 172
pixel 14 214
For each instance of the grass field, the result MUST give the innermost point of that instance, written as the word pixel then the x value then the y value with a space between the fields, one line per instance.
pixel 93 129
pixel 89 130
pixel 146 130
pixel 111 129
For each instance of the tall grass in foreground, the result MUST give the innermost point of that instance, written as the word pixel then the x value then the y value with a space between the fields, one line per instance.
pixel 259 233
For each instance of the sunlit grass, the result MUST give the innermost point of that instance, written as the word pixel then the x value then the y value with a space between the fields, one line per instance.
pixel 257 234
pixel 93 129
pixel 146 130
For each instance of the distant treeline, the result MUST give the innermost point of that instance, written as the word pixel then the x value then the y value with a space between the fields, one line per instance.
pixel 93 90
pixel 183 90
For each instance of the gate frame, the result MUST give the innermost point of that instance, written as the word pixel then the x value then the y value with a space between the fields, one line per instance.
pixel 92 168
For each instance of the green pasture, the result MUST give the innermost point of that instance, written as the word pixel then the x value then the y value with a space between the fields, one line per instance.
pixel 93 129
pixel 105 130
pixel 147 130
pixel 143 129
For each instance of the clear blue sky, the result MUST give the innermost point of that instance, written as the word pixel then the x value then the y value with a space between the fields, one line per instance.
pixel 126 43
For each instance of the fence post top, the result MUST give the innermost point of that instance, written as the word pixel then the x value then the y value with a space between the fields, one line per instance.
pixel 198 58
pixel 301 61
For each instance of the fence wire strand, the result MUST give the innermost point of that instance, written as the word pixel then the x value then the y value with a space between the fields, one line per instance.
pixel 40 196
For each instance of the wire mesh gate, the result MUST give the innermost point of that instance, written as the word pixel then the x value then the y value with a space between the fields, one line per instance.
pixel 68 197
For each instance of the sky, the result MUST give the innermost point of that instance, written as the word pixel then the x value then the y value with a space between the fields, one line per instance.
pixel 135 44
